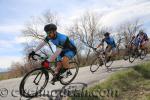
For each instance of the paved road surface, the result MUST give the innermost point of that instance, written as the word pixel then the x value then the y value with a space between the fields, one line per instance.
pixel 84 78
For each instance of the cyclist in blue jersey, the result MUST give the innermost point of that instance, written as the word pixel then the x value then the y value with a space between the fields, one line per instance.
pixel 111 45
pixel 141 40
pixel 65 49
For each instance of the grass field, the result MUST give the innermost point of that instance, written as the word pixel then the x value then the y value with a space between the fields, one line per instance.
pixel 130 84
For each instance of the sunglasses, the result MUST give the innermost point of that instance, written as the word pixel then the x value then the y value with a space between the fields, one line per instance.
pixel 49 32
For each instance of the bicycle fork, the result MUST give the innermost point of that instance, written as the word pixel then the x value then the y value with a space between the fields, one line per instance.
pixel 35 80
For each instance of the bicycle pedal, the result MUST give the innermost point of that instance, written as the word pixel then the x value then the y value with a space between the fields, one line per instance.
pixel 69 73
pixel 54 80
pixel 53 83
pixel 101 64
pixel 64 75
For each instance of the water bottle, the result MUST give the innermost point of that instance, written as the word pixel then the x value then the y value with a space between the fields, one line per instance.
pixel 53 66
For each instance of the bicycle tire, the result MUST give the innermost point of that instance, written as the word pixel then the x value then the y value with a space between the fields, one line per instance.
pixel 126 55
pixel 109 63
pixel 92 69
pixel 76 72
pixel 22 90
pixel 143 54
pixel 131 57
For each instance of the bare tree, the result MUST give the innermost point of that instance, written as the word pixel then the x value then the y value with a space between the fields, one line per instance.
pixel 86 31
pixel 34 30
pixel 79 44
pixel 129 29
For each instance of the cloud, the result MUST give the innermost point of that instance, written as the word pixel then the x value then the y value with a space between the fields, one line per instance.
pixel 11 29
pixel 6 44
pixel 21 39
pixel 114 11
pixel 12 43
pixel 128 13
pixel 10 47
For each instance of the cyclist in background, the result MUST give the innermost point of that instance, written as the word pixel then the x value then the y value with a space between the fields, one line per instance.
pixel 110 50
pixel 140 41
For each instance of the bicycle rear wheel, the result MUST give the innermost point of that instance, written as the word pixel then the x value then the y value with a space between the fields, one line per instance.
pixel 96 63
pixel 143 53
pixel 132 57
pixel 34 82
pixel 109 63
pixel 125 57
pixel 70 74
pixel 126 54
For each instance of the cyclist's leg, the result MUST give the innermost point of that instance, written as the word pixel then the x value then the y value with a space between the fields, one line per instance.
pixel 63 60
pixel 130 47
pixel 114 52
pixel 57 69
pixel 59 62
pixel 143 45
pixel 108 52
pixel 136 45
pixel 101 62
pixel 146 45
pixel 67 56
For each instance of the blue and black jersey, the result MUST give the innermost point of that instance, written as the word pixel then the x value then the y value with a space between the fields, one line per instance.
pixel 62 41
pixel 109 41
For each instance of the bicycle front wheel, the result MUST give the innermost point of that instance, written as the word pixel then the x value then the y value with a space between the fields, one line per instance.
pixel 96 63
pixel 34 82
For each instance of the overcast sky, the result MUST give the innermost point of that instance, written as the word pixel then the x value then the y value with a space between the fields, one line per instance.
pixel 15 13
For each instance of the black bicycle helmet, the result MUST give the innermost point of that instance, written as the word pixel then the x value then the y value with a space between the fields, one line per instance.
pixel 106 34
pixel 50 27
pixel 141 32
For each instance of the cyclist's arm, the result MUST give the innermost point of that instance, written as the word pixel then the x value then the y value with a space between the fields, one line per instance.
pixel 137 35
pixel 101 44
pixel 146 37
pixel 57 52
pixel 41 44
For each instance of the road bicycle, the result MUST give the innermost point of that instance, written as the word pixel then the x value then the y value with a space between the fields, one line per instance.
pixel 135 53
pixel 131 54
pixel 34 82
pixel 101 58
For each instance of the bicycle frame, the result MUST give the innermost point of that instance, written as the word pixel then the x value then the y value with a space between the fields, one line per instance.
pixel 101 55
pixel 48 66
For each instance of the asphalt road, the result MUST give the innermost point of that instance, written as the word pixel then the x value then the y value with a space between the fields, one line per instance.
pixel 9 89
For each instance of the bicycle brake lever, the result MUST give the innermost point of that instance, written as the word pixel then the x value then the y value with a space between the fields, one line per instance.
pixel 33 58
